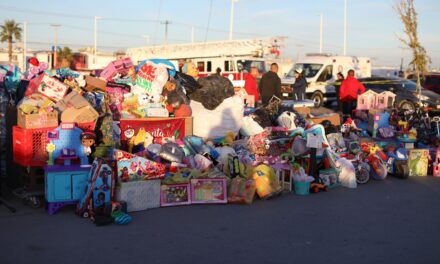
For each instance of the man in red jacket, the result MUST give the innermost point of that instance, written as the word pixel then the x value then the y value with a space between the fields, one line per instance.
pixel 349 91
pixel 250 84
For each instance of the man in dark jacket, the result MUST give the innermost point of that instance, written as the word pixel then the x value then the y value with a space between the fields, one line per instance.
pixel 270 84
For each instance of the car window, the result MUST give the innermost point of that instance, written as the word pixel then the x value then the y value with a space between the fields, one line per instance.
pixel 408 85
pixel 309 70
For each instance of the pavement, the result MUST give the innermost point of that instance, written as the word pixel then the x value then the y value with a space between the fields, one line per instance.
pixel 391 221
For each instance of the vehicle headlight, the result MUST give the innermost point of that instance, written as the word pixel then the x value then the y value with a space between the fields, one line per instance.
pixel 422 97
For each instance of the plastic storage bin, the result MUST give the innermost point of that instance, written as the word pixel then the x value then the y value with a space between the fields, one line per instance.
pixel 29 146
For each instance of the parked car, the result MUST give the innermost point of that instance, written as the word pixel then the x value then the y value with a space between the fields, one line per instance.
pixel 405 90
pixel 430 81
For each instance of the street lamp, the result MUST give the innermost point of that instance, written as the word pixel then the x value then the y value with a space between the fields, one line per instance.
pixel 147 39
pixel 231 19
pixel 95 38
pixel 55 27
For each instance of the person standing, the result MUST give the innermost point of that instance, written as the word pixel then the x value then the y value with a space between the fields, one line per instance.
pixel 349 91
pixel 270 84
pixel 250 83
pixel 339 79
pixel 300 85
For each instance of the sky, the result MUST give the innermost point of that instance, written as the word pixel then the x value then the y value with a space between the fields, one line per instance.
pixel 373 26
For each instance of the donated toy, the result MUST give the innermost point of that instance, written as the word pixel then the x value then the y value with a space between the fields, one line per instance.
pixel 68 144
pixel 99 192
pixel 35 68
pixel 140 141
pixel 88 140
pixel 132 167
pixel 287 120
pixel 191 69
pixel 171 152
pixel 266 182
pixel 436 164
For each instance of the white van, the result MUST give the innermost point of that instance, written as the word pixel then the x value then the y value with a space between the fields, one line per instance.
pixel 320 71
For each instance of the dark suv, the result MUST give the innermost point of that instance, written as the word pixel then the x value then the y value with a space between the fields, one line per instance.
pixel 430 81
pixel 405 90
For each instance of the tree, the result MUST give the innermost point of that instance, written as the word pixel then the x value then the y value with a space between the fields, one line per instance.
pixel 65 57
pixel 10 31
pixel 420 59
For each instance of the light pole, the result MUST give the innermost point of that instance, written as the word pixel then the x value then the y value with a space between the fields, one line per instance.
pixel 95 36
pixel 231 19
pixel 55 27
pixel 345 27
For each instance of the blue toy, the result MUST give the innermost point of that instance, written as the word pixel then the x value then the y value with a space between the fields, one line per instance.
pixel 67 141
pixel 64 185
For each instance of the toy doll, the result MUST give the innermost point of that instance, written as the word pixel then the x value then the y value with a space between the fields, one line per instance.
pixel 88 139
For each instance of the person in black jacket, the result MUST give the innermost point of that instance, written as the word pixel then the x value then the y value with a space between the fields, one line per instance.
pixel 300 85
pixel 270 84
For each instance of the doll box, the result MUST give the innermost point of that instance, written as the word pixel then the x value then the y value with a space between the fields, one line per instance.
pixel 418 162
pixel 140 195
pixel 175 194
pixel 52 88
pixel 37 120
pixel 207 191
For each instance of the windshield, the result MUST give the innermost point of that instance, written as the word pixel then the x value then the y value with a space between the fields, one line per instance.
pixel 248 64
pixel 409 85
pixel 309 70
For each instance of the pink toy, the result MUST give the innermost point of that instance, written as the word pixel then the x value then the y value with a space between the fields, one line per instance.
pixel 385 100
pixel 366 100
pixel 121 66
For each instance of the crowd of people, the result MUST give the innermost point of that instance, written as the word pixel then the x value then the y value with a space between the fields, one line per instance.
pixel 347 89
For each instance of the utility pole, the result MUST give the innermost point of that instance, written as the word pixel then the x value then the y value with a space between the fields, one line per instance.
pixel 192 34
pixel 95 37
pixel 166 23
pixel 55 27
pixel 231 19
pixel 320 34
pixel 24 45
pixel 345 27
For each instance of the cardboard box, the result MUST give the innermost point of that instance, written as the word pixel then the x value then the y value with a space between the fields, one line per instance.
pixel 80 115
pixel 37 120
pixel 139 195
pixel 304 111
pixel 93 83
pixel 73 99
pixel 334 118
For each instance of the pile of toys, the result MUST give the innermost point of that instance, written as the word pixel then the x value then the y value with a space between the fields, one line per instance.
pixel 137 137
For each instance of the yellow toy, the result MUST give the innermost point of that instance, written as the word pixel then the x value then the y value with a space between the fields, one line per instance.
pixel 191 69
pixel 266 182
pixel 142 137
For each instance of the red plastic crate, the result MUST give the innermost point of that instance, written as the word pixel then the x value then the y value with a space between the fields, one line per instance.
pixel 29 146
pixel 89 126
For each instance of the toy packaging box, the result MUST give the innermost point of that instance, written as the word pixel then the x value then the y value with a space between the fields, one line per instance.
pixel 241 191
pixel 139 195
pixel 205 191
pixel 175 194
pixel 418 162
pixel 132 168
pixel 52 88
pixel 329 178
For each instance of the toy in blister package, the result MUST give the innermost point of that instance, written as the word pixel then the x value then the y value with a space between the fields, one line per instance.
pixel 418 162
pixel 241 191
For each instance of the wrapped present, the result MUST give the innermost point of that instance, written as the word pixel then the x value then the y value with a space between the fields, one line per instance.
pixel 132 168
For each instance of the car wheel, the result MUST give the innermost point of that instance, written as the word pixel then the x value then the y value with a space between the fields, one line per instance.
pixel 406 105
pixel 317 98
